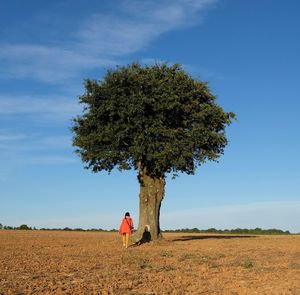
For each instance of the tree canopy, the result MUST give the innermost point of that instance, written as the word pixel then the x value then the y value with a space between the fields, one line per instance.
pixel 156 117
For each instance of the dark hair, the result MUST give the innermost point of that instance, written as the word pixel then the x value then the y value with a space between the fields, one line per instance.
pixel 127 214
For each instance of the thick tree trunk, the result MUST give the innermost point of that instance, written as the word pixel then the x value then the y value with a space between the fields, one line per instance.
pixel 152 191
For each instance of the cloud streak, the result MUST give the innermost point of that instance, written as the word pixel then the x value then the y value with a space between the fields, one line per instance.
pixel 101 40
pixel 33 142
pixel 19 150
pixel 45 63
pixel 50 106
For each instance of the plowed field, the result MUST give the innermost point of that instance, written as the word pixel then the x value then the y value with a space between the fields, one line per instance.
pixel 49 262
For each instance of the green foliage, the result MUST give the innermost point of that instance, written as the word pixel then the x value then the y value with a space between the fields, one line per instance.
pixel 154 117
pixel 24 227
pixel 1 226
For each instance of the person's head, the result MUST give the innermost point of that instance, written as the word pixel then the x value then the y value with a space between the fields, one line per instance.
pixel 127 214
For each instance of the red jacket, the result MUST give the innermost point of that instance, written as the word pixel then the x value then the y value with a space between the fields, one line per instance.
pixel 126 226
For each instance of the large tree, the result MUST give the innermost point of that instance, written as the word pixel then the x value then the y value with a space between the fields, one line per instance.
pixel 157 120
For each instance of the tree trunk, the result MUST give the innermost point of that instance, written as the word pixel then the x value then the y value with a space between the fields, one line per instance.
pixel 152 191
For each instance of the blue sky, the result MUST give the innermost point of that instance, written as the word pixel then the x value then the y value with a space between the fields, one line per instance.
pixel 247 50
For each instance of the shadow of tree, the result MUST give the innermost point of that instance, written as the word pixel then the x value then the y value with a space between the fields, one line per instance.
pixel 203 237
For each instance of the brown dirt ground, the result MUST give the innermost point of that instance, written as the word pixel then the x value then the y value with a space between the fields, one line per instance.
pixel 49 262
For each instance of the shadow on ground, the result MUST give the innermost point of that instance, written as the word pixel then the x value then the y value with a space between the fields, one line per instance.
pixel 146 238
pixel 203 237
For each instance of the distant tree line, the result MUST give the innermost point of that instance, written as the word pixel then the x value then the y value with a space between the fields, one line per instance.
pixel 255 231
pixel 80 229
pixel 21 227
pixel 26 227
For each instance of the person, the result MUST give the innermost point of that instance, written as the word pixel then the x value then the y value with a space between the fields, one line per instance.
pixel 126 228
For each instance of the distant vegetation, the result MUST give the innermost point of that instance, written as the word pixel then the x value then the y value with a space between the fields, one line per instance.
pixel 81 229
pixel 26 227
pixel 21 227
pixel 255 231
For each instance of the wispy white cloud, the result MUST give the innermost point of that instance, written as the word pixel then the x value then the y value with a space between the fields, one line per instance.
pixel 51 107
pixel 278 214
pixel 17 159
pixel 48 160
pixel 12 141
pixel 141 23
pixel 19 150
pixel 62 141
pixel 36 146
pixel 168 14
pixel 101 40
pixel 33 142
pixel 45 63
pixel 6 137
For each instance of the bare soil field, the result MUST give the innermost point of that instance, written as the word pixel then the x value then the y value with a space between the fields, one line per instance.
pixel 49 262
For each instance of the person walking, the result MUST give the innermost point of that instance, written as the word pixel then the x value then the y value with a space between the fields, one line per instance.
pixel 126 228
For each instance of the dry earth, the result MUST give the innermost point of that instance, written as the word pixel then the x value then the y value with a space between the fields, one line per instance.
pixel 44 262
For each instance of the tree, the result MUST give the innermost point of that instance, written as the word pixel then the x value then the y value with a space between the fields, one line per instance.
pixel 155 119
pixel 24 227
